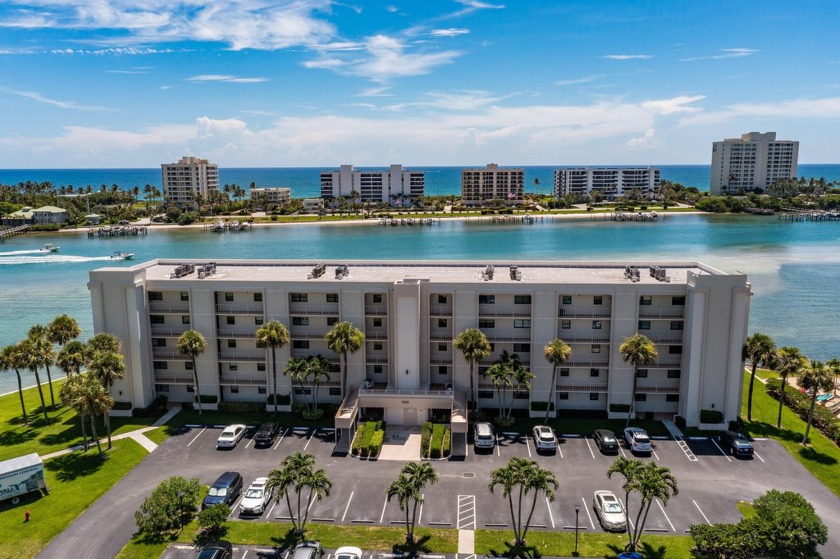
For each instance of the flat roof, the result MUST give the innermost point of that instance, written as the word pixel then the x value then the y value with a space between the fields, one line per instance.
pixel 432 271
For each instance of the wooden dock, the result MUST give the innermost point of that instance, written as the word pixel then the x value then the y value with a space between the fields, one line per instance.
pixel 117 231
pixel 808 215
pixel 12 231
pixel 634 216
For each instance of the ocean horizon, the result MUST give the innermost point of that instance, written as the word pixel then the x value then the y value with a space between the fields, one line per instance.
pixel 305 181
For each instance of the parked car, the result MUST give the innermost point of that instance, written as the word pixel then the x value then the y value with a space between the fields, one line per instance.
pixel 256 498
pixel 216 550
pixel 736 443
pixel 308 550
pixel 483 436
pixel 224 490
pixel 266 434
pixel 609 511
pixel 630 555
pixel 544 438
pixel 231 435
pixel 605 440
pixel 638 440
pixel 348 552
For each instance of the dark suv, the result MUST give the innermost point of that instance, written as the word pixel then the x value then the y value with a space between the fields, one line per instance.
pixel 266 434
pixel 606 441
pixel 224 490
pixel 217 550
pixel 736 443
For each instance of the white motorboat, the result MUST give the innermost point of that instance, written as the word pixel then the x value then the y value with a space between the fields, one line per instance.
pixel 49 247
pixel 120 255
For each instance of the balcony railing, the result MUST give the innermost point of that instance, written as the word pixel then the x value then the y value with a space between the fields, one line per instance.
pixel 172 307
pixel 164 354
pixel 238 308
pixel 440 361
pixel 168 332
pixel 440 310
pixel 231 380
pixel 503 311
pixel 234 357
pixel 660 389
pixel 661 313
pixel 376 334
pixel 665 339
pixel 376 310
pixel 376 359
pixel 589 364
pixel 394 392
pixel 235 333
pixel 300 334
pixel 582 387
pixel 508 338
pixel 441 336
pixel 330 309
pixel 164 379
pixel 585 339
pixel 584 312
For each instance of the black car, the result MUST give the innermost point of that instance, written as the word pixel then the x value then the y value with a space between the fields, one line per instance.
pixel 266 434
pixel 216 550
pixel 736 443
pixel 606 441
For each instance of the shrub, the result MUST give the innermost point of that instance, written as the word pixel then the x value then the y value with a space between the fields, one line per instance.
pixel 376 443
pixel 800 403
pixel 212 522
pixel 711 416
pixel 171 505
pixel 357 440
pixel 207 398
pixel 679 421
pixel 619 408
pixel 425 438
pixel 540 406
pixel 122 405
pixel 435 449
pixel 447 441
pixel 282 399
pixel 312 415
pixel 245 407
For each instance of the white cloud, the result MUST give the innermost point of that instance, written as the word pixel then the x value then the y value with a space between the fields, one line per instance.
pixel 587 79
pixel 376 92
pixel 35 96
pixel 119 51
pixel 224 78
pixel 674 105
pixel 627 56
pixel 797 109
pixel 645 141
pixel 450 32
pixel 725 53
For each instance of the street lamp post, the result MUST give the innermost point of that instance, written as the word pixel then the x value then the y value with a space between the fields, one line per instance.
pixel 181 510
pixel 577 516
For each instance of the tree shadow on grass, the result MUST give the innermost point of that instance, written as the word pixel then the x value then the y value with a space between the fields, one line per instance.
pixel 288 541
pixel 209 535
pixel 156 538
pixel 75 465
pixel 17 436
pixel 522 551
pixel 413 549
pixel 765 429
pixel 644 548
pixel 808 453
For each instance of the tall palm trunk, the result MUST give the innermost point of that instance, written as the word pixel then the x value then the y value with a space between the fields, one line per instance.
pixel 197 390
pixel 108 428
pixel 291 514
pixel 41 394
pixel 472 402
pixel 274 374
pixel 750 393
pixel 84 432
pixel 49 380
pixel 810 416
pixel 551 393
pixel 20 393
pixel 409 524
pixel 95 436
pixel 632 397
pixel 781 401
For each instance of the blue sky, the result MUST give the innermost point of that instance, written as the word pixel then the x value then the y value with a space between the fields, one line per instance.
pixel 134 83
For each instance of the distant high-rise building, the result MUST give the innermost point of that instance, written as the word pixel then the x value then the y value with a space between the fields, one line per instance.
pixel 752 161
pixel 492 183
pixel 609 181
pixel 189 177
pixel 394 186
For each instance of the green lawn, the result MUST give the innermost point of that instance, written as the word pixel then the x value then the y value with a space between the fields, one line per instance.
pixel 497 543
pixel 75 480
pixel 821 457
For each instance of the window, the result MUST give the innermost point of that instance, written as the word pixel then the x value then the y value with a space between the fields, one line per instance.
pixel 300 344
pixel 672 397
pixel 486 323
pixel 302 391
pixel 332 320
pixel 185 296
pixel 521 299
pixel 185 319
pixel 521 396
pixel 155 296
pixel 441 347
pixel 377 322
pixel 158 342
pixel 261 366
pixel 594 396
pixel 678 300
pixel 335 391
pixel 228 297
pixel 258 320
pixel 188 366
pixel 190 388
pixel 442 323
pixel 596 348
pixel 596 324
pixel 492 347
pixel 485 394
pixel 258 297
pixel 441 299
pixel 332 297
pixel 642 373
pixel 300 321
pixel 594 372
pixel 231 343
pixel 261 390
pixel 443 370
pixel 645 300
pixel 161 388
pixel 299 297
pixel 675 349
pixel 564 372
pixel 160 365
pixel 376 298
pixel 640 397
pixel 676 325
pixel 377 369
pixel 233 367
pixel 230 320
pixel 377 346
pixel 644 325
pixel 157 319
pixel 522 348
pixel 486 299
pixel 567 299
pixel 674 373
pixel 565 324
pixel 563 395
pixel 522 323
pixel 597 300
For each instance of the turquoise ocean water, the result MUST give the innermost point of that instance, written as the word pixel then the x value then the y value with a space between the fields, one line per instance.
pixel 794 267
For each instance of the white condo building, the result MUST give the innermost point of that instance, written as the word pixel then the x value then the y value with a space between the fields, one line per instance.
pixel 481 185
pixel 612 182
pixel 182 181
pixel 752 161
pixel 272 196
pixel 394 186
pixel 410 313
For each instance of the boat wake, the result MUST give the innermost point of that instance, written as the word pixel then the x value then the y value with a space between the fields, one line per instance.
pixel 20 252
pixel 51 259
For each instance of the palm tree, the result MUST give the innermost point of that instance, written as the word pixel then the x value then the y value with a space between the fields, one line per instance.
pixel 408 489
pixel 43 353
pixel 815 378
pixel 273 334
pixel 344 338
pixel 556 352
pixel 63 329
pixel 517 479
pixel 834 366
pixel 318 369
pixel 637 350
pixel 192 344
pixel 297 472
pixel 789 362
pixel 10 360
pixel 107 366
pixel 651 482
pixel 474 345
pixel 760 349
pixel 91 399
pixel 27 354
pixel 67 394
pixel 104 342
pixel 626 468
pixel 297 369
pixel 72 357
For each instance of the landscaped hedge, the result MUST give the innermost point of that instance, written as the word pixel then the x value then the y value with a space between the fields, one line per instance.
pixel 440 442
pixel 800 403
pixel 207 398
pixel 425 438
pixel 711 416
pixel 282 399
pixel 369 439
pixel 540 406
pixel 246 407
pixel 122 405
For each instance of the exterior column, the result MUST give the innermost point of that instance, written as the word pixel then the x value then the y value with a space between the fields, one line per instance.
pixel 690 389
pixel 407 338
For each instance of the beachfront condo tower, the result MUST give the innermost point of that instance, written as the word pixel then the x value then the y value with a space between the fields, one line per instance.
pixel 187 179
pixel 408 366
pixel 611 182
pixel 753 161
pixel 396 186
pixel 483 185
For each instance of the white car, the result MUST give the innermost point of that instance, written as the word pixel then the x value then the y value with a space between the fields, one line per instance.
pixel 256 498
pixel 638 440
pixel 230 436
pixel 348 552
pixel 609 511
pixel 544 438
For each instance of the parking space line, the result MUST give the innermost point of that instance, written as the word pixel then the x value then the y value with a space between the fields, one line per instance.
pixel 758 455
pixel 589 446
pixel 195 437
pixel 466 512
pixel 560 450
pixel 235 505
pixel 343 516
pixel 550 514
pixel 720 449
pixel 310 438
pixel 382 516
pixel 621 448
pixel 589 514
pixel 249 443
pixel 658 502
pixel 244 555
pixel 701 512
pixel 498 447
pixel 268 514
pixel 654 454
pixel 528 444
pixel 686 449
